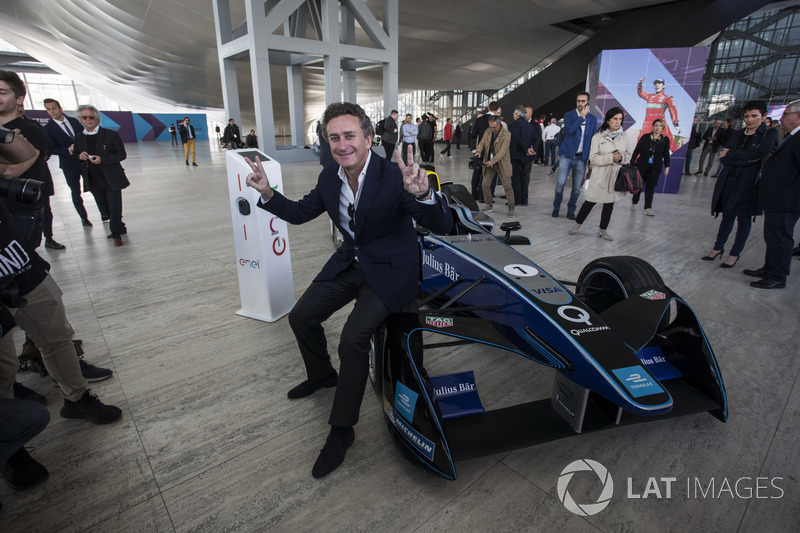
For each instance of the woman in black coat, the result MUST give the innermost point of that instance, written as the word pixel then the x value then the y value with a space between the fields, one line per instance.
pixel 736 190
pixel 651 151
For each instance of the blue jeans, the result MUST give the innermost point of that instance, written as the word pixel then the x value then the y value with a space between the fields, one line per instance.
pixel 20 421
pixel 550 152
pixel 577 165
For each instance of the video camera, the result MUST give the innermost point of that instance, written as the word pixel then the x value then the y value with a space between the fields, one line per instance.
pixel 475 163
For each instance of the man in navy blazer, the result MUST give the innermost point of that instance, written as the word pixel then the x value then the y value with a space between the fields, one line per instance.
pixel 579 127
pixel 61 131
pixel 779 197
pixel 100 151
pixel 523 140
pixel 373 202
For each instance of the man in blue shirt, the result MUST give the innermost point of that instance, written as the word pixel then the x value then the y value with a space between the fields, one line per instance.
pixel 579 126
pixel 409 132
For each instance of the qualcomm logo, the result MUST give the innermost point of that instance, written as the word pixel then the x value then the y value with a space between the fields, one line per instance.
pixel 586 509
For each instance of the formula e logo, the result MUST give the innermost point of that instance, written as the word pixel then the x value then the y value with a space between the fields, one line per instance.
pixel 586 509
pixel 438 322
pixel 653 295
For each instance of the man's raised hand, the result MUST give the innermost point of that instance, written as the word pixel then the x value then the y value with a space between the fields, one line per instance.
pixel 415 179
pixel 257 179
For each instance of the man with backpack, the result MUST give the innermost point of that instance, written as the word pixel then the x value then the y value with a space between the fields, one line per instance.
pixel 387 129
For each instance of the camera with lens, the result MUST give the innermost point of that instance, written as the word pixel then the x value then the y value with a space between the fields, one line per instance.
pixel 475 163
pixel 24 191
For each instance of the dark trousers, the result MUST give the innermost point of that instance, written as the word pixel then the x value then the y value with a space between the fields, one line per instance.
pixel 687 167
pixel 779 237
pixel 650 182
pixel 47 218
pixel 110 201
pixel 742 232
pixel 426 150
pixel 446 149
pixel 477 179
pixel 404 155
pixel 521 179
pixel 318 303
pixel 389 147
pixel 605 216
pixel 458 142
pixel 73 178
pixel 22 420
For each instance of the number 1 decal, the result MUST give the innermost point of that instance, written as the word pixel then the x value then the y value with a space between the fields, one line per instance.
pixel 524 271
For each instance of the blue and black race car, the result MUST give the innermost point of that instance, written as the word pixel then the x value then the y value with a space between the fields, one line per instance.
pixel 626 348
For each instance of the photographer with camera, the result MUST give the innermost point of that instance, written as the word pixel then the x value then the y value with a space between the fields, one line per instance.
pixel 30 298
pixel 36 218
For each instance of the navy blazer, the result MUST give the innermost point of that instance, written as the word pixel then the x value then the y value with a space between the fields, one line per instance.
pixel 385 239
pixel 111 152
pixel 522 138
pixel 59 143
pixel 572 134
pixel 779 186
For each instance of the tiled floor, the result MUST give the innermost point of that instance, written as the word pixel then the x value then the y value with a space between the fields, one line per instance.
pixel 209 442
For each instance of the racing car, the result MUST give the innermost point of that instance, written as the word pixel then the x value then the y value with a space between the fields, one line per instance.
pixel 625 348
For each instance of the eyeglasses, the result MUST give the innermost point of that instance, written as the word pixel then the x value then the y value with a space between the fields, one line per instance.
pixel 785 113
pixel 89 117
pixel 351 212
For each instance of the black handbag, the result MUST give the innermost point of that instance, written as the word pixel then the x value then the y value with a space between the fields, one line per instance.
pixel 628 179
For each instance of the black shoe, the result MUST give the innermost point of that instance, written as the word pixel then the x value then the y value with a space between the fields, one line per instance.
pixel 23 471
pixel 571 216
pixel 768 283
pixel 194 164
pixel 308 388
pixel 105 218
pixel 796 250
pixel 86 223
pixel 729 265
pixel 757 273
pixel 93 373
pixel 554 214
pixel 187 162
pixel 53 245
pixel 332 454
pixel 21 392
pixel 705 173
pixel 92 409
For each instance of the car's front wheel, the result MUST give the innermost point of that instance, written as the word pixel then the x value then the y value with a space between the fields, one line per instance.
pixel 609 280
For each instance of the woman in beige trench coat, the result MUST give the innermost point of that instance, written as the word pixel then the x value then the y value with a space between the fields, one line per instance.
pixel 609 151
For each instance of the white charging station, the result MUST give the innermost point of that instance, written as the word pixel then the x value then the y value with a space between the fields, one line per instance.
pixel 263 260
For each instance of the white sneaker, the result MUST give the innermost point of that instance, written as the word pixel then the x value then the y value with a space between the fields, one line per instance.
pixel 633 207
pixel 487 208
pixel 449 157
pixel 649 212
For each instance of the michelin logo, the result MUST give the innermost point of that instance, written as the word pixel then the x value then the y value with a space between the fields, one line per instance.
pixel 417 441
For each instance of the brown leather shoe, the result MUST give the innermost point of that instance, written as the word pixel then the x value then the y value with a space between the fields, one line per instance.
pixel 117 241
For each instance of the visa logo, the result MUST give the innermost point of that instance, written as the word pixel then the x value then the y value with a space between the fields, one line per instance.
pixel 546 290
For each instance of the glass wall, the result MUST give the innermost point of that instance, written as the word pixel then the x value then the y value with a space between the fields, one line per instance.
pixel 753 59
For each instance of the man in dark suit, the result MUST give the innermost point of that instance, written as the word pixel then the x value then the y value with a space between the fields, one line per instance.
pixel 779 197
pixel 694 142
pixel 232 136
pixel 522 140
pixel 188 139
pixel 100 151
pixel 373 202
pixel 710 146
pixel 61 131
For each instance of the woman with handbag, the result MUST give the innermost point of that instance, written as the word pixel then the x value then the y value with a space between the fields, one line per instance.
pixel 651 151
pixel 608 152
pixel 736 191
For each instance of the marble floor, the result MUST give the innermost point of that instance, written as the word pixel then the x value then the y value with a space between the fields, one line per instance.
pixel 209 442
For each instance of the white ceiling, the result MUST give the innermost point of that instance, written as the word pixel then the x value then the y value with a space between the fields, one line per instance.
pixel 159 55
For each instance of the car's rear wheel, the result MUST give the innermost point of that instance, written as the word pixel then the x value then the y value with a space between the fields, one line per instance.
pixel 609 280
